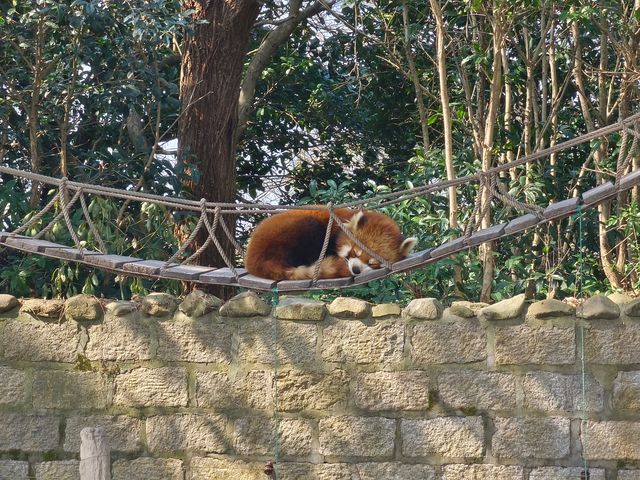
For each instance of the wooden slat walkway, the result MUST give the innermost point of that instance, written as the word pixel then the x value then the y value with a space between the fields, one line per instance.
pixel 224 276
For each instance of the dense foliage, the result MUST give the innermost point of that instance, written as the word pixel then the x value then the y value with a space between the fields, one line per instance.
pixel 348 107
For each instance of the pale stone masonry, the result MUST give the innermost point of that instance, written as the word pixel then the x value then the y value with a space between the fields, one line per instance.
pixel 186 390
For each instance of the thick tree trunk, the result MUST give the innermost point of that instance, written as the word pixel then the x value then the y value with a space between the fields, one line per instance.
pixel 212 66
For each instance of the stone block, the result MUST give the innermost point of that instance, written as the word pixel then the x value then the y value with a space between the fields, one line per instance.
pixel 300 308
pixel 531 437
pixel 629 474
pixel 30 433
pixel 481 390
pixel 423 309
pixel 465 309
pixel 506 309
pixel 386 310
pixel 220 390
pixel 620 299
pixel 246 304
pixel 458 342
pixel 296 342
pixel 346 307
pixel 550 308
pixel 632 309
pixel 612 440
pixel 122 431
pixel 392 471
pixel 199 303
pixel 257 436
pixel 70 390
pixel 152 387
pixel 206 468
pixel 14 470
pixel 299 390
pixel 83 308
pixel 35 341
pixel 121 308
pixel 524 344
pixel 182 432
pixel 148 468
pixel 565 473
pixel 13 386
pixel 198 341
pixel 613 346
pixel 8 302
pixel 548 391
pixel 626 391
pixel 119 339
pixel 598 307
pixel 61 470
pixel 43 309
pixel 159 304
pixel 482 472
pixel 379 391
pixel 452 437
pixel 357 436
pixel 357 342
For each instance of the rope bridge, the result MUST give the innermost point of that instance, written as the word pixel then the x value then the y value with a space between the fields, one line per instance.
pixel 72 196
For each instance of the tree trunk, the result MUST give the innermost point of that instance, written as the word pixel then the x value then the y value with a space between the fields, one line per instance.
pixel 415 77
pixel 441 59
pixel 212 65
pixel 486 250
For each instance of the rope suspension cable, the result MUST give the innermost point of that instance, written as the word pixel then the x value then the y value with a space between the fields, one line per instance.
pixel 490 188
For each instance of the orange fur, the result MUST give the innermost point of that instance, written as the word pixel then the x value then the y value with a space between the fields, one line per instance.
pixel 287 245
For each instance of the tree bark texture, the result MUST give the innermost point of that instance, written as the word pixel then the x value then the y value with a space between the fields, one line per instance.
pixel 211 75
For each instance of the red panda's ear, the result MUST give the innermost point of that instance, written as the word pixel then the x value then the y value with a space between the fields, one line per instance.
pixel 355 221
pixel 408 245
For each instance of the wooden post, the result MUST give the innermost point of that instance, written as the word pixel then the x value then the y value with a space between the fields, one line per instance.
pixel 95 457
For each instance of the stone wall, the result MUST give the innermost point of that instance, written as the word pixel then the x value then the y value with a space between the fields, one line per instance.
pixel 186 390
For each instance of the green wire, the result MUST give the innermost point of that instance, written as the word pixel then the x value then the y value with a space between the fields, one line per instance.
pixel 579 294
pixel 275 300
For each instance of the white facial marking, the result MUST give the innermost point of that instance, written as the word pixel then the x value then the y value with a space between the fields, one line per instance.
pixel 344 250
pixel 357 266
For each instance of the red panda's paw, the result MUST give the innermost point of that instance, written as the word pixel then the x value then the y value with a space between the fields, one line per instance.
pixel 300 273
pixel 331 267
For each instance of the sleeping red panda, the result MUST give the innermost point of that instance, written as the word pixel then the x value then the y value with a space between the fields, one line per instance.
pixel 286 246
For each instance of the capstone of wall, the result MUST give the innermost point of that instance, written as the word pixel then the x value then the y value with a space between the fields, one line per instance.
pixel 200 390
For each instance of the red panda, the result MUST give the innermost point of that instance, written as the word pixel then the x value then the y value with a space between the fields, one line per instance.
pixel 286 246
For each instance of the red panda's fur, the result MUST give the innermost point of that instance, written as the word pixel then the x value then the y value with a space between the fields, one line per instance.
pixel 287 245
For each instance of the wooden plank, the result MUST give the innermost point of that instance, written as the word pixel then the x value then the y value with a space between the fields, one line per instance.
pixel 448 248
pixel 69 253
pixel 414 259
pixel 486 235
pixel 251 281
pixel 112 262
pixel 221 276
pixel 521 223
pixel 29 244
pixel 561 208
pixel 371 275
pixel 334 282
pixel 5 235
pixel 189 273
pixel 147 267
pixel 630 180
pixel 95 455
pixel 598 194
pixel 293 285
